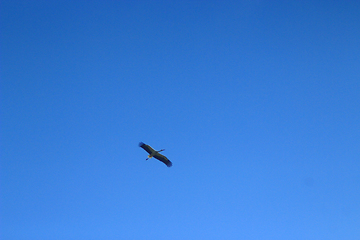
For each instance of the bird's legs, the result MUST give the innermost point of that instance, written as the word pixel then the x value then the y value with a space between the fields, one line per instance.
pixel 161 150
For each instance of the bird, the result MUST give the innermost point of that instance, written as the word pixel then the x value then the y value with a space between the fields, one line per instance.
pixel 155 154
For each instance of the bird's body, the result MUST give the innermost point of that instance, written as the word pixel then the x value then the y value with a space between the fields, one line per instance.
pixel 155 154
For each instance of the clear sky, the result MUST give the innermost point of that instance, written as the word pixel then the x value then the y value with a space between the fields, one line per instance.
pixel 257 104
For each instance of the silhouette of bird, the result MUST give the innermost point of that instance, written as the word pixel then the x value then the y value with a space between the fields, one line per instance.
pixel 155 154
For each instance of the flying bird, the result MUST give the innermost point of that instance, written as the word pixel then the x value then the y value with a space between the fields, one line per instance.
pixel 155 154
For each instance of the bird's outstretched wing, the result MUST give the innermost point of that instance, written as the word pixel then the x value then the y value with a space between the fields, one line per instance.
pixel 146 147
pixel 163 159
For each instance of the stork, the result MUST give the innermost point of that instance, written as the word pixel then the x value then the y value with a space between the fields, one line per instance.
pixel 155 154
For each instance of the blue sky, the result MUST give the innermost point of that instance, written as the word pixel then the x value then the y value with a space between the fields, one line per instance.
pixel 257 104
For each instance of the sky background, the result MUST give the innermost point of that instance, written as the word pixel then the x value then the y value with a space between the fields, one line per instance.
pixel 257 104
